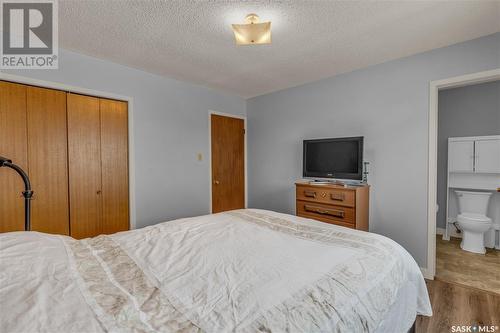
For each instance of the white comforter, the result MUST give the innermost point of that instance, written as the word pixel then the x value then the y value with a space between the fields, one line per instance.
pixel 244 271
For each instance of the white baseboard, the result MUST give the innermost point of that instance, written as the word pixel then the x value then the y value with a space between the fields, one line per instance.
pixel 426 273
pixel 454 233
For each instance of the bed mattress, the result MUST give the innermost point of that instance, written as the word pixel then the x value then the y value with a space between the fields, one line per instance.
pixel 239 271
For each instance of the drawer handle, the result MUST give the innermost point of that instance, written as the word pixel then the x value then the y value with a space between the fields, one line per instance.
pixel 310 194
pixel 322 211
pixel 337 196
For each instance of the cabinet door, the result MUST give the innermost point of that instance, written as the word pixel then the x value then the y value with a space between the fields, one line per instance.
pixel 114 159
pixel 84 160
pixel 488 156
pixel 47 156
pixel 461 156
pixel 13 145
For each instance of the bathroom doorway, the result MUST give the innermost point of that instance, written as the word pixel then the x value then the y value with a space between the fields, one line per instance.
pixel 467 177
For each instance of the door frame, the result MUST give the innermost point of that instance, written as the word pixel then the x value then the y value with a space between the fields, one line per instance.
pixel 434 87
pixel 209 159
pixel 96 93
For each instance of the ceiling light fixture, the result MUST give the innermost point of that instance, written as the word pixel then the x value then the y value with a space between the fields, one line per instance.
pixel 252 32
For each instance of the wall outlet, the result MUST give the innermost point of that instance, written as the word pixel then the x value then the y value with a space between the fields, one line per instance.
pixel 200 157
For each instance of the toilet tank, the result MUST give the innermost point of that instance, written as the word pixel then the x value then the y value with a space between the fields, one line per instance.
pixel 473 202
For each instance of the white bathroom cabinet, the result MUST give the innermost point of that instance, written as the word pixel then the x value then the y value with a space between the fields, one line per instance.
pixel 474 154
pixel 461 156
pixel 487 153
pixel 473 164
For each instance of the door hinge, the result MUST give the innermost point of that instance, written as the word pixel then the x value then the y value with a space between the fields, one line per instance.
pixel 244 131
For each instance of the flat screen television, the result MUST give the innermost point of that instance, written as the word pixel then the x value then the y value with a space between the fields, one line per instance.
pixel 339 158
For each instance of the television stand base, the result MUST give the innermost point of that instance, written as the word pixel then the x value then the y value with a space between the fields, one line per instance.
pixel 320 182
pixel 336 182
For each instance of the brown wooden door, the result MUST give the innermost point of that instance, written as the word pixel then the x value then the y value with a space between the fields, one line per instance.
pixel 47 156
pixel 75 150
pixel 84 159
pixel 114 159
pixel 228 163
pixel 13 145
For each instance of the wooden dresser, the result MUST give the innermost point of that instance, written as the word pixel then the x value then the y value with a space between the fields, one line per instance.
pixel 346 206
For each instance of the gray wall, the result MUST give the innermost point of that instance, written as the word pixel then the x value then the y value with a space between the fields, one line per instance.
pixel 386 103
pixel 466 111
pixel 170 123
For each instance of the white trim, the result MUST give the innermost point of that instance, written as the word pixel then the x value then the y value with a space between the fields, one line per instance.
pixel 91 92
pixel 453 233
pixel 434 87
pixel 440 231
pixel 62 86
pixel 474 138
pixel 446 234
pixel 426 274
pixel 211 112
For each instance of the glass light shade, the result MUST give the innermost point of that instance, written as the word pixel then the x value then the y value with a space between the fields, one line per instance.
pixel 252 33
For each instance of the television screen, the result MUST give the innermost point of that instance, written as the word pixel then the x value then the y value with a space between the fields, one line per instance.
pixel 340 158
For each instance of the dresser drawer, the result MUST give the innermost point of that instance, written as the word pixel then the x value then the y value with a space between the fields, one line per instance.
pixel 326 195
pixel 341 215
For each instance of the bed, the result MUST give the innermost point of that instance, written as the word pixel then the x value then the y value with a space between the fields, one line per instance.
pixel 243 271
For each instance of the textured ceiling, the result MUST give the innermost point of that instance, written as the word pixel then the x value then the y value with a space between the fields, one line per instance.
pixel 192 40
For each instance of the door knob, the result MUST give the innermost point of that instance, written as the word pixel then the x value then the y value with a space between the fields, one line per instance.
pixel 216 182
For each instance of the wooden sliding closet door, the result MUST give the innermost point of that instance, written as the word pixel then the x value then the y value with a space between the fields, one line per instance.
pixel 47 156
pixel 75 151
pixel 84 157
pixel 98 166
pixel 13 145
pixel 114 159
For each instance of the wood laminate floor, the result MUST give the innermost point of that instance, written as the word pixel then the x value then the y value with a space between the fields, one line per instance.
pixel 456 305
pixel 455 265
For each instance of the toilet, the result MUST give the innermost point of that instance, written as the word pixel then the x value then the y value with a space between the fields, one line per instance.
pixel 472 219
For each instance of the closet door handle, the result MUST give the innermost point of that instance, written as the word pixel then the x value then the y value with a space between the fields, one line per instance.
pixel 98 192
